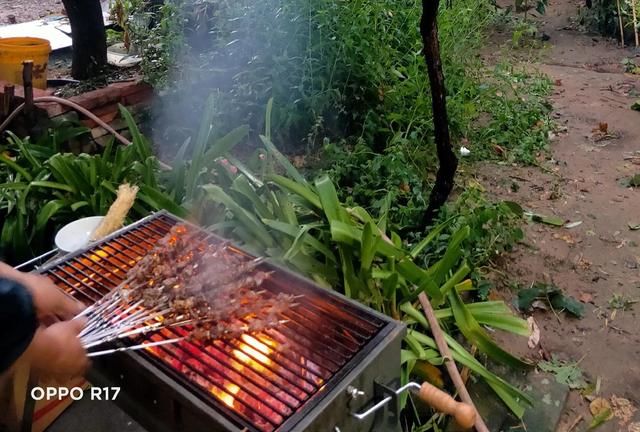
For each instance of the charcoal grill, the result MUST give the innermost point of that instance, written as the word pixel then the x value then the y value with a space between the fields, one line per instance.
pixel 330 359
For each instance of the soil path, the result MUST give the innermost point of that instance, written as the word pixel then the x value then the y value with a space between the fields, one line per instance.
pixel 19 11
pixel 600 258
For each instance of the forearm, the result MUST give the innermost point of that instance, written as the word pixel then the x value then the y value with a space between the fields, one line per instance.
pixel 6 271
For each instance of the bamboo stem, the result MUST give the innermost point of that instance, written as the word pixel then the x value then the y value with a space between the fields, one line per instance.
pixel 448 359
pixel 635 21
pixel 620 22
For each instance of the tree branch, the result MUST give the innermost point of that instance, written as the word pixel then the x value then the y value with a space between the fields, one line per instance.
pixel 446 157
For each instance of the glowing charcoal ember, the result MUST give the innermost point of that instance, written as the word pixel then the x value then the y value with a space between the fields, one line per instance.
pixel 246 401
pixel 226 398
pixel 302 360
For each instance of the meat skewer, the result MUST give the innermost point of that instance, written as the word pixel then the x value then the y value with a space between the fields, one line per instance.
pixel 185 281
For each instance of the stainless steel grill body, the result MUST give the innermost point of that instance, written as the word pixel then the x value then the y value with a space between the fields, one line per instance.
pixel 291 378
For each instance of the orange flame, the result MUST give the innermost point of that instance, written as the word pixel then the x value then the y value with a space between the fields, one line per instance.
pixel 226 398
pixel 255 343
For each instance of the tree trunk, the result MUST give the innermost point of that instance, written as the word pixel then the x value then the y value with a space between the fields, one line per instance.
pixel 89 37
pixel 446 157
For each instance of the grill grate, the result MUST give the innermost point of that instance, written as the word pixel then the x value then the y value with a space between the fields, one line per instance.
pixel 259 380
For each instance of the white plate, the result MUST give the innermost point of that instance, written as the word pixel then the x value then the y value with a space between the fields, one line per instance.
pixel 76 234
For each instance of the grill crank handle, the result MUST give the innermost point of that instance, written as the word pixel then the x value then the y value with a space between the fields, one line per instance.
pixel 464 414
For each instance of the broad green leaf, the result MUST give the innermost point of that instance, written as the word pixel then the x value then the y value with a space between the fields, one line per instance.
pixel 415 346
pixel 267 121
pixel 451 255
pixel 17 168
pixel 247 219
pixel 456 278
pixel 78 205
pixel 515 208
pixel 474 333
pixel 329 198
pixel 138 141
pixel 13 186
pixel 303 190
pixel 549 220
pixel 286 207
pixel 225 144
pixel 514 398
pixel 283 161
pixel 486 313
pixel 415 251
pixel 369 245
pixel 245 171
pixel 25 152
pixel 159 200
pixel 52 185
pixel 242 185
pixel 389 285
pixel 46 212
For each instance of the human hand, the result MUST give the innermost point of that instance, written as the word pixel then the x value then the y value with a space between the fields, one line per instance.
pixel 48 299
pixel 57 351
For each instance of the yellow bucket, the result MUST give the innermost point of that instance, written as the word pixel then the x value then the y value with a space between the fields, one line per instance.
pixel 15 50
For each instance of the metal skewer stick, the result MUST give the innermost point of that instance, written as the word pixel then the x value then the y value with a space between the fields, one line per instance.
pixel 101 322
pixel 108 327
pixel 141 330
pixel 97 307
pixel 134 347
pixel 115 333
pixel 100 310
pixel 84 312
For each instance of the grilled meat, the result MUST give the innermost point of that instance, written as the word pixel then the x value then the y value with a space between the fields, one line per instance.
pixel 216 289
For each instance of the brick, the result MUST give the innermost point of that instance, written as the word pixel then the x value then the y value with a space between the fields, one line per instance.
pixel 143 95
pixel 97 98
pixel 102 102
pixel 54 109
pixel 135 88
pixel 106 113
pixel 19 90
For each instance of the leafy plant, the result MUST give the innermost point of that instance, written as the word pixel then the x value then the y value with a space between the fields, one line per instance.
pixel 552 295
pixel 43 189
pixel 274 211
pixel 154 32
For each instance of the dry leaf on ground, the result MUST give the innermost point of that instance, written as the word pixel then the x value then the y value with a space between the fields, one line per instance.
pixel 534 339
pixel 585 297
pixel 598 406
pixel 623 409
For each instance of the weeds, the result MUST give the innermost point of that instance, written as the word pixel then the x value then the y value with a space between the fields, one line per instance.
pixel 621 302
pixel 568 373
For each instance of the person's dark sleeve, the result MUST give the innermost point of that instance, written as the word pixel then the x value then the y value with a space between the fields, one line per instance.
pixel 18 322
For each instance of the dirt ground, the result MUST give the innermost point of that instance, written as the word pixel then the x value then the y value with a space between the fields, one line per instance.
pixel 18 11
pixel 583 181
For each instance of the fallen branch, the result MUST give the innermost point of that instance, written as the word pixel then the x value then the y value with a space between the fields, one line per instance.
pixel 448 359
